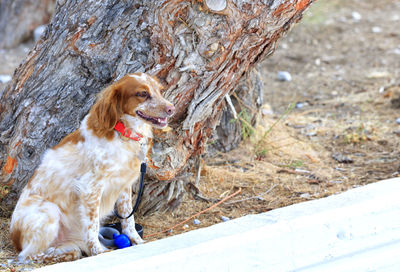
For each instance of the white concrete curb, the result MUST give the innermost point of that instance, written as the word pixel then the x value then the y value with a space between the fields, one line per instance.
pixel 358 230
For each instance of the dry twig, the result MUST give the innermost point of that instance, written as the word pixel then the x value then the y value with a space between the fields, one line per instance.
pixel 253 197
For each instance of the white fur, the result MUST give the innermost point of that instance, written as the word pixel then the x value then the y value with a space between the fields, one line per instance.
pixel 141 76
pixel 79 177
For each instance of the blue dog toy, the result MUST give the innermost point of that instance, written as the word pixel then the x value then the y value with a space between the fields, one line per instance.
pixel 121 241
pixel 111 237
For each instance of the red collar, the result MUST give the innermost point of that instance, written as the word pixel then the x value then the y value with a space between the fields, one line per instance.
pixel 120 127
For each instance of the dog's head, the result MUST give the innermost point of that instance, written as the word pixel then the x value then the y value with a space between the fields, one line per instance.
pixel 137 95
pixel 141 97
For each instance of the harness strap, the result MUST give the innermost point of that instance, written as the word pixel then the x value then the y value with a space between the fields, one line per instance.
pixel 142 173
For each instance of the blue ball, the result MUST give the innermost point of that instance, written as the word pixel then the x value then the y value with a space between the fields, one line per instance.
pixel 121 241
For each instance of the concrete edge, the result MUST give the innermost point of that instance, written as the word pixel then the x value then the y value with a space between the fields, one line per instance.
pixel 323 233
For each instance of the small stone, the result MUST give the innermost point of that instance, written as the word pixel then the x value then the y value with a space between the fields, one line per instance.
pixel 311 134
pixel 260 198
pixel 38 32
pixel 305 195
pixel 196 222
pixel 318 62
pixel 224 218
pixel 5 78
pixel 185 226
pixel 284 76
pixel 376 29
pixel 356 16
pixel 299 105
pixel 398 120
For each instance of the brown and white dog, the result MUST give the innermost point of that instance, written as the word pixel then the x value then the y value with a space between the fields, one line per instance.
pixel 78 182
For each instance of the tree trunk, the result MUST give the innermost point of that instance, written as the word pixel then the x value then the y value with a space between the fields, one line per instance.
pixel 199 50
pixel 19 18
pixel 238 119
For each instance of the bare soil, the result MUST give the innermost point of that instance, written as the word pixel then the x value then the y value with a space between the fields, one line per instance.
pixel 344 59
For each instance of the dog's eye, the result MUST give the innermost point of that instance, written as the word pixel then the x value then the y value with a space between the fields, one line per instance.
pixel 142 94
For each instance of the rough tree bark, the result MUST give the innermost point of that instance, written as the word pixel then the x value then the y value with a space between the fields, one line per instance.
pixel 247 98
pixel 18 19
pixel 199 49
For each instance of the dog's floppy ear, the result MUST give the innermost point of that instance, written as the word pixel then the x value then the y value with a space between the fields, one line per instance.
pixel 105 113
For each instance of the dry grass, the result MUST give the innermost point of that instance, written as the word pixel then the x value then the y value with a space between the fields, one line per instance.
pixel 291 171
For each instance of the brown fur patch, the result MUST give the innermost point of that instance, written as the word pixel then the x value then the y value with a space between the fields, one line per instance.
pixel 16 237
pixel 105 113
pixel 73 138
pixel 114 101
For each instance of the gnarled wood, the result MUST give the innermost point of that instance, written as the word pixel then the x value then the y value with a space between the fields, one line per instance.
pixel 199 52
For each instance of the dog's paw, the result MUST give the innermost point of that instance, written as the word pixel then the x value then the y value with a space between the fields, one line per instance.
pixel 98 249
pixel 20 260
pixel 137 240
pixel 133 235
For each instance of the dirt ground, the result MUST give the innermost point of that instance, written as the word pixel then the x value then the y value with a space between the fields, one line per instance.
pixel 331 128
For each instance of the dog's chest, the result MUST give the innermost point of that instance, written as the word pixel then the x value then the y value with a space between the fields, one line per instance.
pixel 120 171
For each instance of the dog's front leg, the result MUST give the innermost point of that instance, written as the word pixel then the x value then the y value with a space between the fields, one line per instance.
pixel 124 208
pixel 90 216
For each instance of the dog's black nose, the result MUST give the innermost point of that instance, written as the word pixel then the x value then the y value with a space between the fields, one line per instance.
pixel 170 110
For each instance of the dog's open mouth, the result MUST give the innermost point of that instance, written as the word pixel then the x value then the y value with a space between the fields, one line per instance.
pixel 161 122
